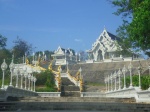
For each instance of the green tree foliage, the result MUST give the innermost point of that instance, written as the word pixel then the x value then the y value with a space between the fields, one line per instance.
pixel 145 81
pixel 135 30
pixel 21 47
pixel 3 41
pixel 46 79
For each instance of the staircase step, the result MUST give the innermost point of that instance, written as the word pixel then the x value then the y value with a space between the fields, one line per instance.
pixel 70 94
pixel 69 88
pixel 77 99
pixel 66 81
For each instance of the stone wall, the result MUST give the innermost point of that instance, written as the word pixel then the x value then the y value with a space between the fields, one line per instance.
pixel 95 72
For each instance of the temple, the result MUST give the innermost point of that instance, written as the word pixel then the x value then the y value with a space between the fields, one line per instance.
pixel 63 56
pixel 105 47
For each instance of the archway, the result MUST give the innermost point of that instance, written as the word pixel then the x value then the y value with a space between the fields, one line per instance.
pixel 99 57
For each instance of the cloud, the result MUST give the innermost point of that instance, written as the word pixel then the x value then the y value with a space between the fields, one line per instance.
pixel 77 40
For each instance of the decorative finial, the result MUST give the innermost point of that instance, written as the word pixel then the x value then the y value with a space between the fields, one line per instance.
pixel 104 27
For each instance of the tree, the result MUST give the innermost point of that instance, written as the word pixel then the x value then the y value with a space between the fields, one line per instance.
pixel 136 33
pixel 21 47
pixel 46 80
pixel 145 81
pixel 2 41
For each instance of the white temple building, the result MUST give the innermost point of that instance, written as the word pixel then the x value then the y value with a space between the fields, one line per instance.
pixel 63 56
pixel 106 47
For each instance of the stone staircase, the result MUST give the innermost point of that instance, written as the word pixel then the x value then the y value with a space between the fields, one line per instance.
pixel 68 89
pixel 100 104
pixel 78 99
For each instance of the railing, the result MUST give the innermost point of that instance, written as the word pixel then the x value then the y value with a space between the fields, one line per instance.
pixel 140 96
pixel 73 79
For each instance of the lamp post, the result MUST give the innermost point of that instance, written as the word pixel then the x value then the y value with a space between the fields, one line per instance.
pixel 130 69
pixel 11 66
pixel 21 74
pixel 119 73
pixel 34 83
pixel 139 72
pixel 25 75
pixel 124 74
pixel 3 67
pixel 115 76
pixel 29 77
pixel 17 73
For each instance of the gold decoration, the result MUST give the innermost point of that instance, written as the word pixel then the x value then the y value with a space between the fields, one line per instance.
pixel 27 61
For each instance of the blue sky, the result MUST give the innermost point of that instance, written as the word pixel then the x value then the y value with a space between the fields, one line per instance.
pixel 47 24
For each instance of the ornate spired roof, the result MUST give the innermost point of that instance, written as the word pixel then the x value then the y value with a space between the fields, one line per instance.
pixel 106 42
pixel 113 37
pixel 61 51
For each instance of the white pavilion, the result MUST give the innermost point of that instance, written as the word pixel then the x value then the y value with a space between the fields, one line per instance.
pixel 63 56
pixel 106 47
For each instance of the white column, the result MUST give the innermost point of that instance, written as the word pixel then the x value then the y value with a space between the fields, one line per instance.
pixel 139 72
pixel 21 81
pixel 79 56
pixel 103 54
pixel 76 57
pixel 119 73
pixel 124 75
pixel 17 73
pixel 130 69
pixel 29 76
pixel 25 81
pixel 31 83
pixel 34 83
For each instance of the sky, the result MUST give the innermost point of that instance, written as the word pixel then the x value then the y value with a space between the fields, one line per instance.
pixel 47 24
